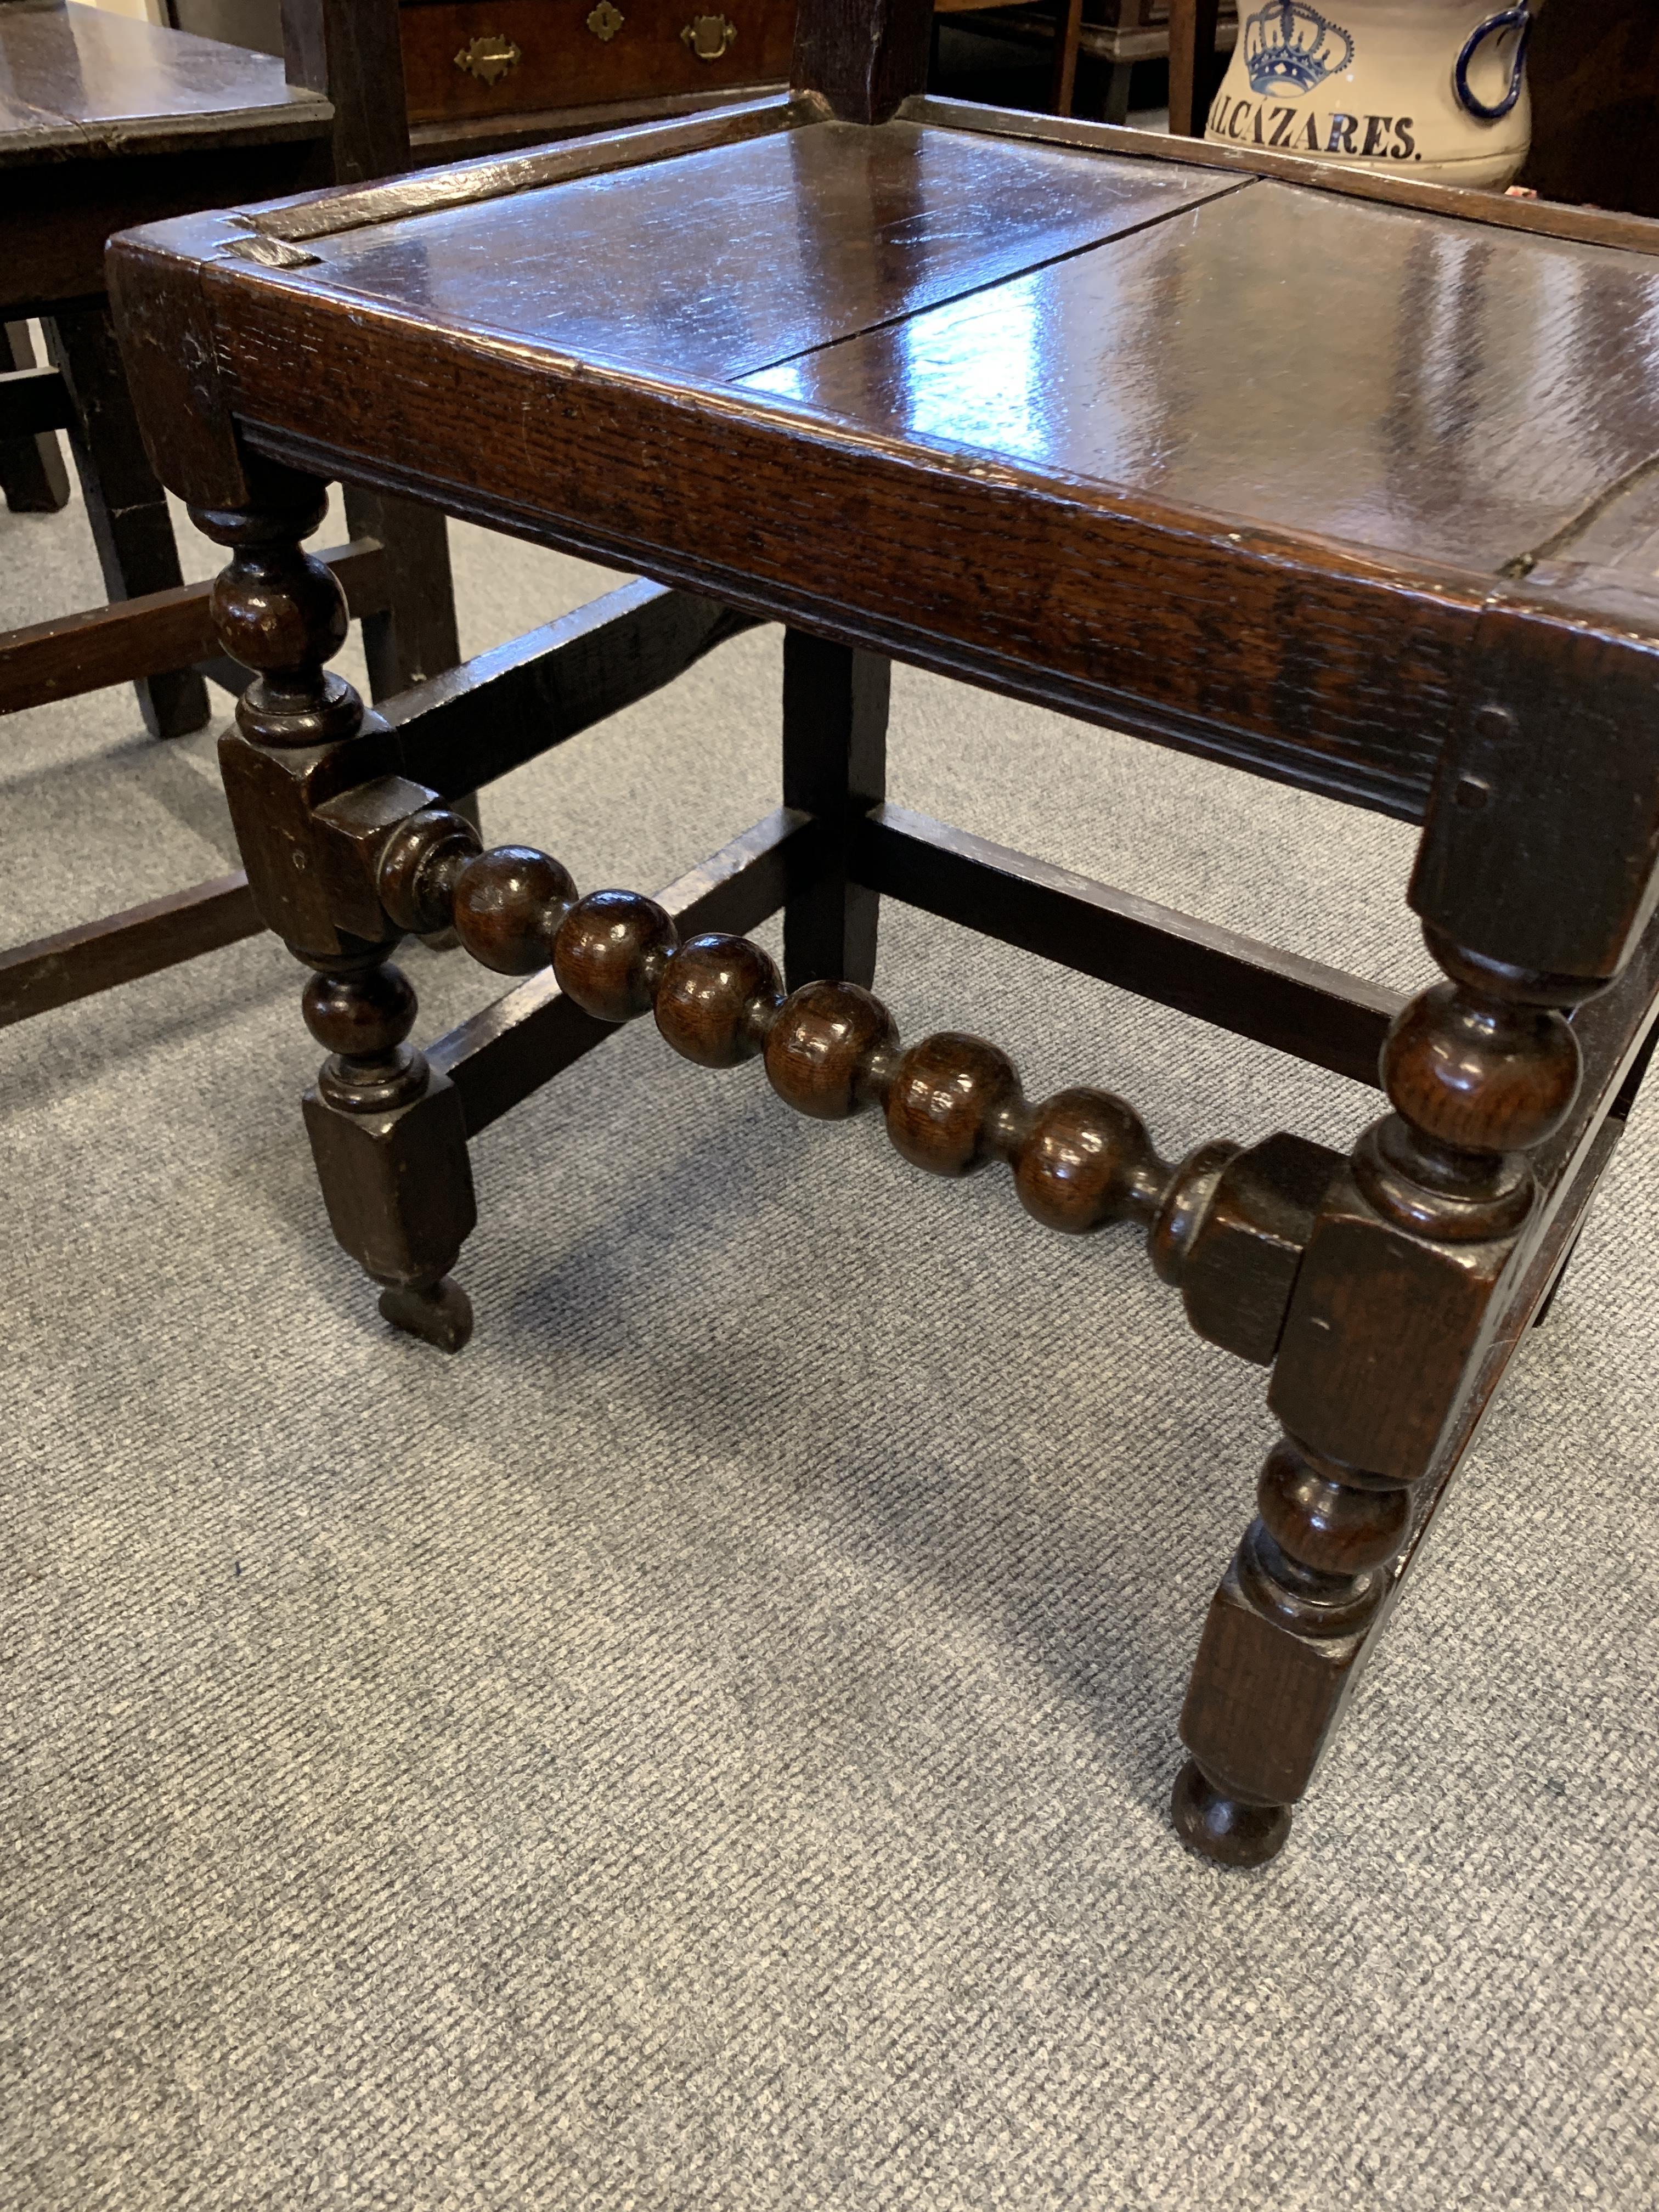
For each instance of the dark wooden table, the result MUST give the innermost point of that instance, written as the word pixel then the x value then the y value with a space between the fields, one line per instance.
pixel 1346 481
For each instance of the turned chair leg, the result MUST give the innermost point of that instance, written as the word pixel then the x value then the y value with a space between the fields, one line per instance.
pixel 1386 1328
pixel 387 1133
pixel 126 504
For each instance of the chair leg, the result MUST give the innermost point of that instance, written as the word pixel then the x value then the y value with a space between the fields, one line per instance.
pixel 126 504
pixel 415 636
pixel 1387 1328
pixel 834 765
pixel 31 473
pixel 387 1131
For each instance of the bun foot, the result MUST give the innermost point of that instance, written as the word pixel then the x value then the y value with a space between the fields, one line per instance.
pixel 440 1313
pixel 1228 1830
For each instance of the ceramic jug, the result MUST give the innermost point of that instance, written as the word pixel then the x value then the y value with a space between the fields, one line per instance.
pixel 1431 88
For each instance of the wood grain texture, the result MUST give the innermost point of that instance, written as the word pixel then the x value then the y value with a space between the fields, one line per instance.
pixel 347 52
pixel 1341 661
pixel 864 57
pixel 1265 1701
pixel 459 731
pixel 1453 393
pixel 736 256
pixel 496 176
pixel 1338 674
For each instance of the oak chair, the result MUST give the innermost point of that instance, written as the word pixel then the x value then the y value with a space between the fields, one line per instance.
pixel 925 380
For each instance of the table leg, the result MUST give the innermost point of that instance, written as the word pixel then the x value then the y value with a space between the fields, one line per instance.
pixel 126 504
pixel 1192 63
pixel 1068 31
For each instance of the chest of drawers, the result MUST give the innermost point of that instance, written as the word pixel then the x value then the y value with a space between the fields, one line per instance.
pixel 482 58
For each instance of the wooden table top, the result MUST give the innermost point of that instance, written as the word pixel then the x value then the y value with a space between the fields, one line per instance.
pixel 944 385
pixel 75 80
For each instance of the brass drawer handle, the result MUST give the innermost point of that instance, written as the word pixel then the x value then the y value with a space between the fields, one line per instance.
pixel 606 20
pixel 708 36
pixel 489 58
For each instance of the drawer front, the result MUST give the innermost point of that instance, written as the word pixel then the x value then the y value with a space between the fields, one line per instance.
pixel 478 57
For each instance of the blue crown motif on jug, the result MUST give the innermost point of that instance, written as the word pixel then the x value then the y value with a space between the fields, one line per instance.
pixel 1289 47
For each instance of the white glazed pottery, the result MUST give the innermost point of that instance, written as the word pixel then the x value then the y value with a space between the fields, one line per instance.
pixel 1431 88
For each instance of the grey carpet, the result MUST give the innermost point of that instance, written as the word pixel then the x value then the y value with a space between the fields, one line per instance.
pixel 708 1745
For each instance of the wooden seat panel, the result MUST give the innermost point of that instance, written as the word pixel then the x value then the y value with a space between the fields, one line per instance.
pixel 723 261
pixel 1437 390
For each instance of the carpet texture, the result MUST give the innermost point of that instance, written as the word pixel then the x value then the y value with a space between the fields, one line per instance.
pixel 709 1744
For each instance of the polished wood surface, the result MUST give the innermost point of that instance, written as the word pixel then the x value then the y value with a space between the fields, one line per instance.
pixel 1138 402
pixel 1225 1226
pixel 742 254
pixel 80 81
pixel 1457 396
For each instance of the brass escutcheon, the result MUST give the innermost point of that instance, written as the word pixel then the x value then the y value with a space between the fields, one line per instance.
pixel 488 58
pixel 606 20
pixel 708 36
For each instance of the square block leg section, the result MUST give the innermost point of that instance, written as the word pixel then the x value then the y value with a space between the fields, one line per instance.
pixel 398 1188
pixel 1263 1702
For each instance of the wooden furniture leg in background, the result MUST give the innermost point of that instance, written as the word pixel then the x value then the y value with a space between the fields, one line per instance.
pixel 414 635
pixel 1192 64
pixel 31 473
pixel 834 767
pixel 1068 29
pixel 125 505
